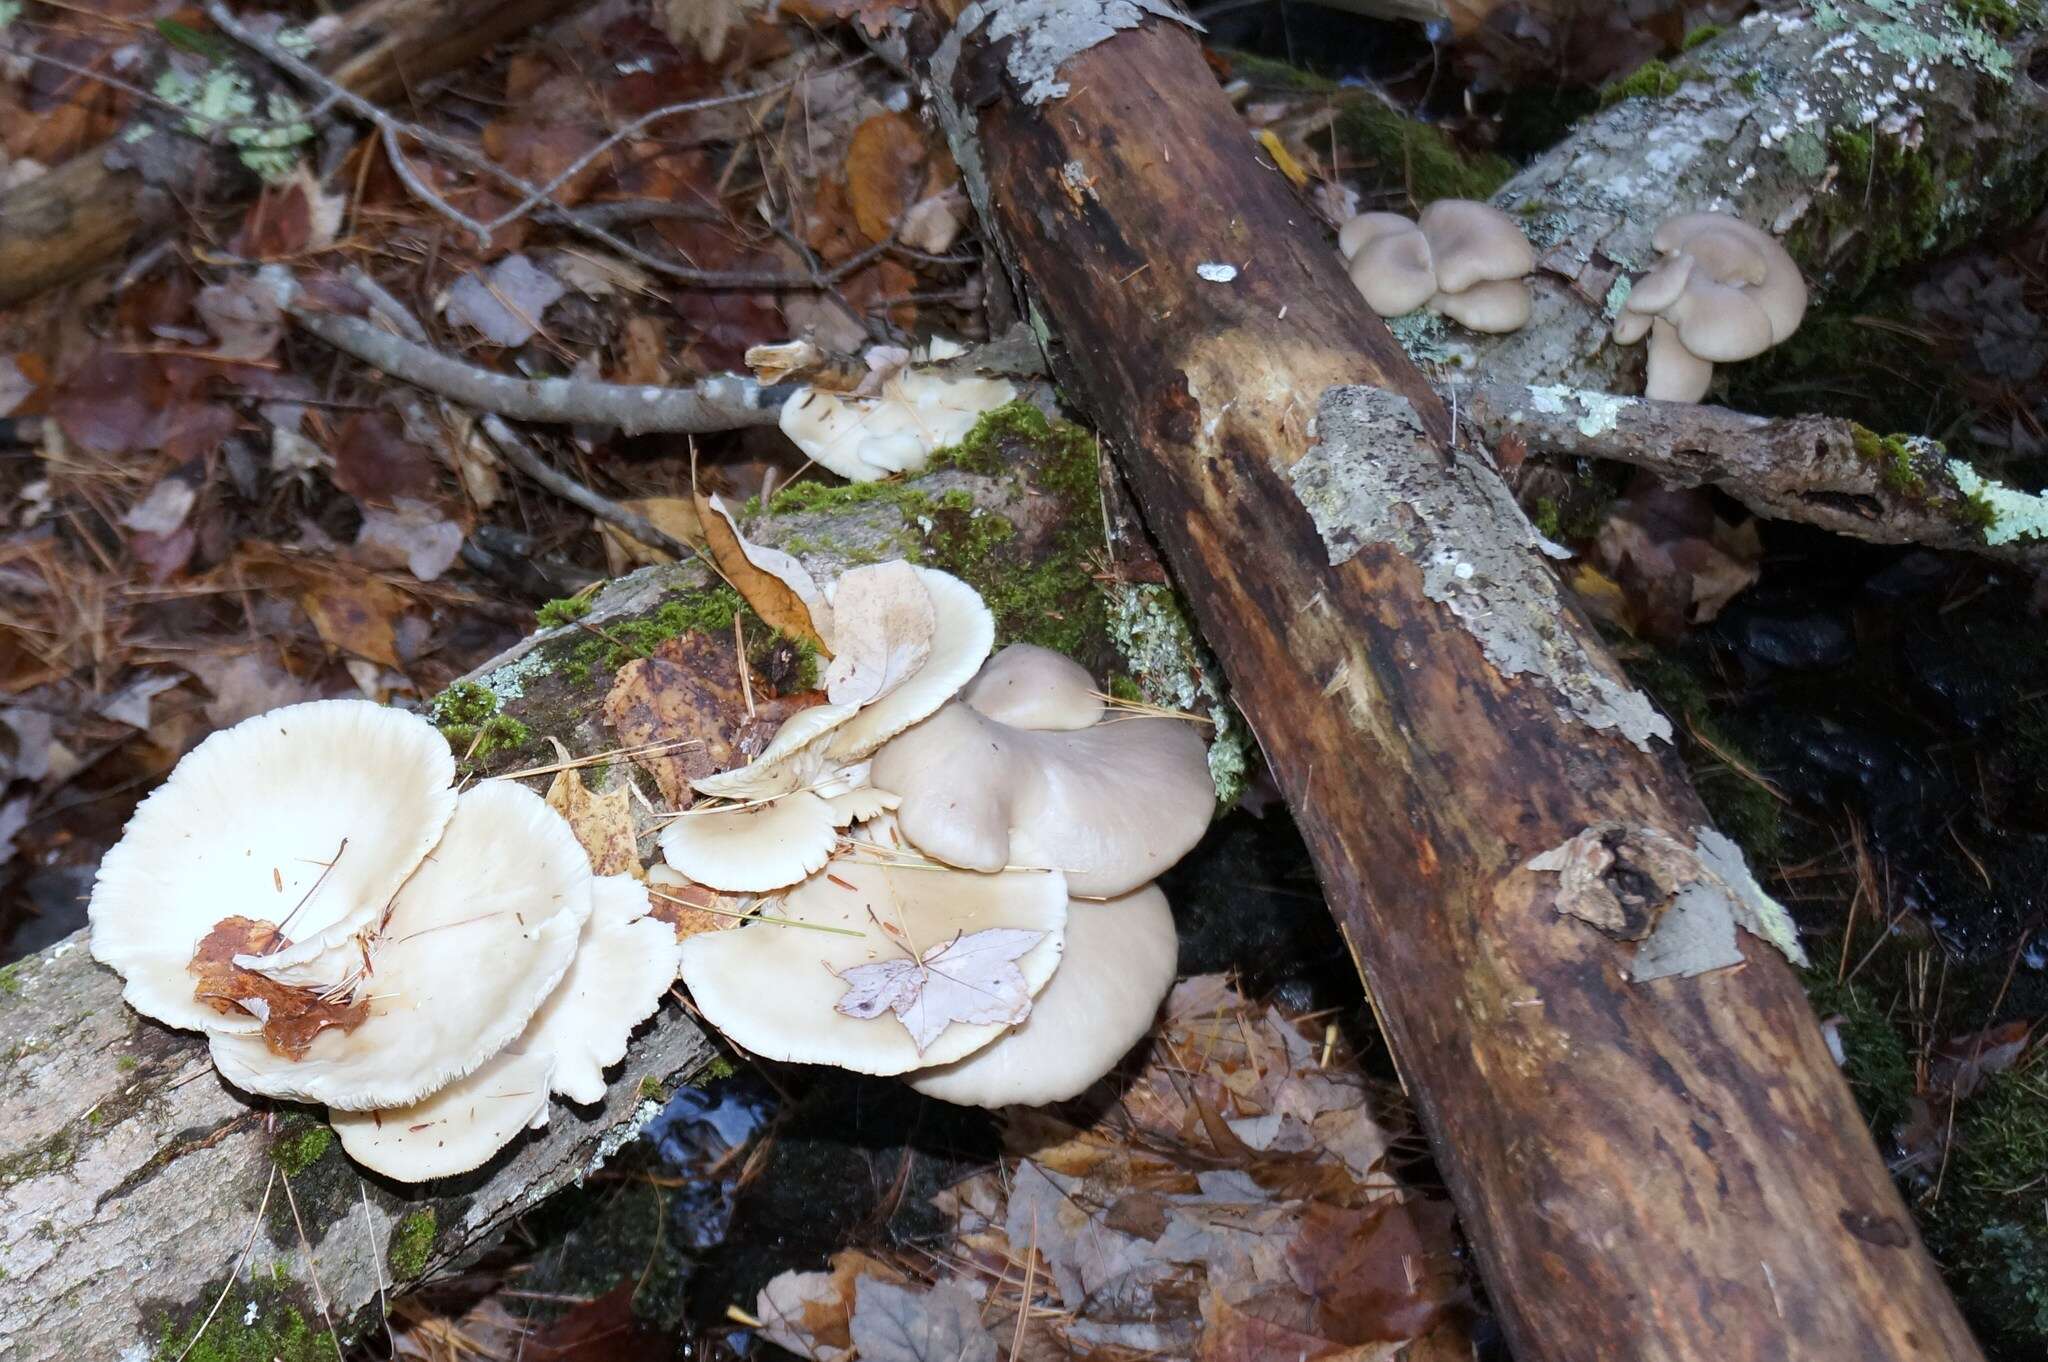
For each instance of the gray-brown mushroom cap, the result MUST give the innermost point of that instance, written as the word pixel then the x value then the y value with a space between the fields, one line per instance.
pixel 1474 243
pixel 1111 807
pixel 1026 686
pixel 1725 291
pixel 1390 262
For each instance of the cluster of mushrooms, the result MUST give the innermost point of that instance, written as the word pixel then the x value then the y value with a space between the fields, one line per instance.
pixel 895 418
pixel 1722 291
pixel 944 871
pixel 309 890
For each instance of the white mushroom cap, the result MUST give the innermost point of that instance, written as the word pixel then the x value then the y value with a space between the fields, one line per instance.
pixel 774 990
pixel 1725 291
pixel 897 431
pixel 755 847
pixel 1111 806
pixel 1390 262
pixel 248 824
pixel 625 962
pixel 963 631
pixel 1026 686
pixel 455 1129
pixel 474 943
pixel 1474 243
pixel 1117 969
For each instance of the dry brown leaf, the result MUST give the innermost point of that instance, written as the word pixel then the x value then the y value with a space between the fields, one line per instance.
pixel 685 905
pixel 885 168
pixel 687 694
pixel 603 823
pixel 292 1017
pixel 355 616
pixel 674 516
pixel 773 583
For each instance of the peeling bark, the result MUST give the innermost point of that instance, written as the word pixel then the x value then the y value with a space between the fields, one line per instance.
pixel 1866 136
pixel 1670 1169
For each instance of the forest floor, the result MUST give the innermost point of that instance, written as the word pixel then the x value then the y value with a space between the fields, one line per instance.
pixel 208 514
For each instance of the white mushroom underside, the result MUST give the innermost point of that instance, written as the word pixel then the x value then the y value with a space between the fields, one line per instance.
pixel 753 848
pixel 865 438
pixel 963 631
pixel 1118 967
pixel 475 941
pixel 774 990
pixel 625 962
pixel 249 823
pixel 456 1129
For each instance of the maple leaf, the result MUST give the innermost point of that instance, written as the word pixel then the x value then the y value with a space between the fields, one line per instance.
pixel 972 979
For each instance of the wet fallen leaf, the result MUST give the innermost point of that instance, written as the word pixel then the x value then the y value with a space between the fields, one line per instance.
pixel 601 1330
pixel 811 1313
pixel 1383 1272
pixel 774 584
pixel 374 462
pixel 414 535
pixel 687 698
pixel 603 823
pixel 1962 1063
pixel 1676 562
pixel 243 315
pixel 705 25
pixel 900 1324
pixel 505 302
pixel 885 169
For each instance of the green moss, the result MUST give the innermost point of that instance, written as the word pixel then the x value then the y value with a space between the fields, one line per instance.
pixel 614 643
pixel 1544 517
pixel 719 1068
pixel 1124 688
pixel 2002 17
pixel 1974 510
pixel 566 610
pixel 1989 1229
pixel 650 1089
pixel 468 716
pixel 126 1063
pixel 797 498
pixel 1652 80
pixel 300 1144
pixel 411 1239
pixel 1748 82
pixel 1893 456
pixel 261 1319
pixel 1705 33
pixel 10 978
pixel 51 1155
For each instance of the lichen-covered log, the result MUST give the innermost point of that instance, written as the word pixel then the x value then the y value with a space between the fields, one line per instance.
pixel 1867 136
pixel 131 1177
pixel 85 212
pixel 1652 1168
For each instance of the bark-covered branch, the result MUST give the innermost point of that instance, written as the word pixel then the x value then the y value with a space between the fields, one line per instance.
pixel 1812 470
pixel 1866 136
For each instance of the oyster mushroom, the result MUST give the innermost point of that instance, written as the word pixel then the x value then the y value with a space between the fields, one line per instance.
pixel 308 818
pixel 1464 259
pixel 1110 806
pixel 898 429
pixel 472 945
pixel 775 989
pixel 1117 968
pixel 1725 291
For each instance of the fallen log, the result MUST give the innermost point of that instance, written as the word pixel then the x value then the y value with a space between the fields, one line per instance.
pixel 140 1196
pixel 86 212
pixel 1649 1167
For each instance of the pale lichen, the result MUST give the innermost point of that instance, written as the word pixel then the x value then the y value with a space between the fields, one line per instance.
pixel 1172 668
pixel 2013 515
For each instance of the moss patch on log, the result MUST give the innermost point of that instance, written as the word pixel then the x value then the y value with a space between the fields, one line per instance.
pixel 411 1240
pixel 266 1318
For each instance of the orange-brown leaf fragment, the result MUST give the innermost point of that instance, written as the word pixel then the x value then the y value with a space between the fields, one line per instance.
pixel 292 1017
pixel 885 168
pixel 772 596
pixel 603 823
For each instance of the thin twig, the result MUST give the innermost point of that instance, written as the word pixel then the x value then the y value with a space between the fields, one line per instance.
pixel 527 460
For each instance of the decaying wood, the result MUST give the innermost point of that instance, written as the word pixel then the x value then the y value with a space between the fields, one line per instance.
pixel 1670 1169
pixel 85 212
pixel 1866 137
pixel 1814 470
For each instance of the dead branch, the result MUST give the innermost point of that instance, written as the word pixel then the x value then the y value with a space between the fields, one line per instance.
pixel 1815 470
pixel 527 459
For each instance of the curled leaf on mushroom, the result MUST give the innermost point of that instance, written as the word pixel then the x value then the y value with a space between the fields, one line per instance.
pixel 1463 259
pixel 1725 291
pixel 308 890
pixel 1027 820
pixel 896 419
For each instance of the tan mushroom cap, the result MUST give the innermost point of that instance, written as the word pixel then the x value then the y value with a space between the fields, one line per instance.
pixel 625 962
pixel 1112 806
pixel 1725 291
pixel 1390 262
pixel 1495 307
pixel 249 824
pixel 458 1128
pixel 1474 243
pixel 1118 967
pixel 1026 686
pixel 474 943
pixel 774 990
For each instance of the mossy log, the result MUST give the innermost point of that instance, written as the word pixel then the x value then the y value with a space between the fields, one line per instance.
pixel 86 212
pixel 1656 1169
pixel 131 1176
pixel 1868 137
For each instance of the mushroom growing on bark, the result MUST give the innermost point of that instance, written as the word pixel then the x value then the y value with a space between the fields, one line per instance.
pixel 1463 259
pixel 864 436
pixel 1725 291
pixel 1111 806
